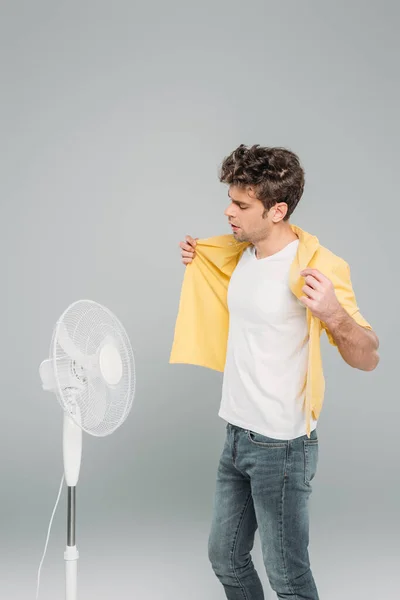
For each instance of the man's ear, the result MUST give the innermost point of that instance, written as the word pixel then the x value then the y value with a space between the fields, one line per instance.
pixel 279 211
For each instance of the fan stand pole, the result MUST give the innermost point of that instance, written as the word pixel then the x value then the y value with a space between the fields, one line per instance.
pixel 72 451
pixel 71 553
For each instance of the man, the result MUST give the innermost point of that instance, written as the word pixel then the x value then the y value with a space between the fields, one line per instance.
pixel 282 290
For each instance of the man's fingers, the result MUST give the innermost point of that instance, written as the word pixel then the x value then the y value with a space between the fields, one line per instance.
pixel 191 240
pixel 312 282
pixel 310 292
pixel 308 302
pixel 314 273
pixel 187 254
pixel 189 243
pixel 186 247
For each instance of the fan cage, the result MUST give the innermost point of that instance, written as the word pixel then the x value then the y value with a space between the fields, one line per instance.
pixel 102 407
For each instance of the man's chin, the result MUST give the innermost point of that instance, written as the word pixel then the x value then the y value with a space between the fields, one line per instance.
pixel 239 236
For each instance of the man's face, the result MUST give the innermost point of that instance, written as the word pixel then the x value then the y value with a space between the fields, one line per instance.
pixel 247 216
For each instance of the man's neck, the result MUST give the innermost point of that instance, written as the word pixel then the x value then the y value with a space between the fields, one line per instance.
pixel 279 238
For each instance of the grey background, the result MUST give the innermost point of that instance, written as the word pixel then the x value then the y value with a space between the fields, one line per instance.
pixel 114 119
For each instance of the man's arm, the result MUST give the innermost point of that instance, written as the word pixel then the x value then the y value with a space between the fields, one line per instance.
pixel 357 345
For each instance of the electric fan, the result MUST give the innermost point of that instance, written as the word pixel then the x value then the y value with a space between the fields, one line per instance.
pixel 91 370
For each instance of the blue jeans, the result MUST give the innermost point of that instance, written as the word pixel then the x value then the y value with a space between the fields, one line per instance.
pixel 263 484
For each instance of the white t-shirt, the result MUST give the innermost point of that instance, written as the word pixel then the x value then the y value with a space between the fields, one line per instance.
pixel 267 354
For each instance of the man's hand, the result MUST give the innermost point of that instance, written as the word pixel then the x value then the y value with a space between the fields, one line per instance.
pixel 320 295
pixel 187 249
pixel 357 345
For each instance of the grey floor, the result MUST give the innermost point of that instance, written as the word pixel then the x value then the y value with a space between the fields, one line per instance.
pixel 169 562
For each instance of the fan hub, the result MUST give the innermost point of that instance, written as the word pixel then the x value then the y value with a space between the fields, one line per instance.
pixel 110 364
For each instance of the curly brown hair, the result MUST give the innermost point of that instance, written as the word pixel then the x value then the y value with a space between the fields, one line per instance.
pixel 275 174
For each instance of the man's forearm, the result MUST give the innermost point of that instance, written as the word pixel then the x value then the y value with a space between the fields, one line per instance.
pixel 357 345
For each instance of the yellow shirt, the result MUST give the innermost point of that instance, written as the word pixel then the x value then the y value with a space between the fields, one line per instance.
pixel 201 329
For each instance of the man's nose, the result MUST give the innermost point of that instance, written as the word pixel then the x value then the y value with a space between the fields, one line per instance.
pixel 230 210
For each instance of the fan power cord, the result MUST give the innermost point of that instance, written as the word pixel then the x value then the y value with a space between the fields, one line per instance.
pixel 48 535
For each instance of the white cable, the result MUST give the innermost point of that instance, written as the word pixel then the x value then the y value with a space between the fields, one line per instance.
pixel 48 535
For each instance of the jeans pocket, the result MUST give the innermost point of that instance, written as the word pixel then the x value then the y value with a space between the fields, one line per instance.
pixel 310 460
pixel 261 440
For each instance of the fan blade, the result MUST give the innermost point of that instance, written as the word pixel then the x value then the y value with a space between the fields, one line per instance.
pixel 64 340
